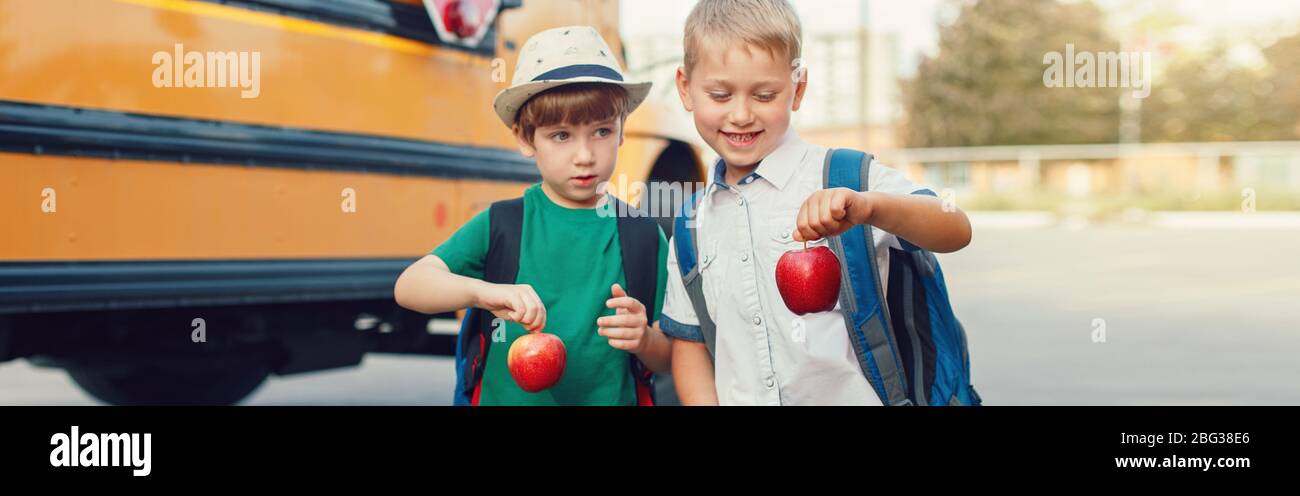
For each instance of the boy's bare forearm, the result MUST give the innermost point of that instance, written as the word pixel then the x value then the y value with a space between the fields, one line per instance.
pixel 693 374
pixel 657 352
pixel 428 286
pixel 921 220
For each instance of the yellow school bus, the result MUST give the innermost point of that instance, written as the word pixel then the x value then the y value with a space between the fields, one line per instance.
pixel 198 194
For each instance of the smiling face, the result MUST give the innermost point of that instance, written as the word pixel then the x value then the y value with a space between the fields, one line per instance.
pixel 741 97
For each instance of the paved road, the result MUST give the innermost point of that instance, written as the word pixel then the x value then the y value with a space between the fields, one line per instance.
pixel 379 380
pixel 1190 317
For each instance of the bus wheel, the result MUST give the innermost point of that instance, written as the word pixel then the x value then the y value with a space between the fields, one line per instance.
pixel 150 385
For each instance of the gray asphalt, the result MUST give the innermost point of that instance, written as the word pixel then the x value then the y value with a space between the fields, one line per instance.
pixel 1191 317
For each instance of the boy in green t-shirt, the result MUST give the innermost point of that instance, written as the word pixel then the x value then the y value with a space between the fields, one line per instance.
pixel 566 108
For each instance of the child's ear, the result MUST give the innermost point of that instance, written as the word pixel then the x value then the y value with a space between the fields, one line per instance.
pixel 799 88
pixel 525 148
pixel 683 90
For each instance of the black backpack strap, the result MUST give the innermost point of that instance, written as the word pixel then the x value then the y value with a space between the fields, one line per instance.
pixel 506 219
pixel 638 239
pixel 500 266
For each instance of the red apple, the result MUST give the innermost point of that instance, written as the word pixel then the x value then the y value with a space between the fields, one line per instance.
pixel 808 279
pixel 536 361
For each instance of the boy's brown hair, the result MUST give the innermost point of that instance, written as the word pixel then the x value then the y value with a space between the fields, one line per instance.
pixel 572 104
pixel 771 25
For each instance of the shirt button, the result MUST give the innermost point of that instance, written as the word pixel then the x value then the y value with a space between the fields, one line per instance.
pixel 757 319
pixel 785 234
pixel 744 257
pixel 770 383
pixel 740 201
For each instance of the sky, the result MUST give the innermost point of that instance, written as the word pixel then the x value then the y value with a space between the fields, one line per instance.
pixel 915 22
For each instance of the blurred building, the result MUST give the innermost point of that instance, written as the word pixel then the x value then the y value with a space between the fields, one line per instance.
pixel 1087 170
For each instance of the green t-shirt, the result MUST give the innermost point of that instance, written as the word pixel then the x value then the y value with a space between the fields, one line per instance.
pixel 571 257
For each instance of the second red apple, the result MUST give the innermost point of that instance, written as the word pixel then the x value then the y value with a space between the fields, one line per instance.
pixel 808 280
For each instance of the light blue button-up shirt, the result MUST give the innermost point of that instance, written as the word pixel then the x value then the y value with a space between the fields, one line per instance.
pixel 765 354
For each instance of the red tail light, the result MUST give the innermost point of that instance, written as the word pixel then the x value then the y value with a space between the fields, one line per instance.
pixel 461 18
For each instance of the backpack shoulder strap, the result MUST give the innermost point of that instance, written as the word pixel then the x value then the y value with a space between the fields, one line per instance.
pixel 686 246
pixel 500 266
pixel 865 315
pixel 506 219
pixel 638 239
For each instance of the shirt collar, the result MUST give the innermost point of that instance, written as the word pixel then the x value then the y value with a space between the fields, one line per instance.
pixel 780 165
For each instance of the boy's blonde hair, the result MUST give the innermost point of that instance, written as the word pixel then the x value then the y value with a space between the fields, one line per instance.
pixel 771 25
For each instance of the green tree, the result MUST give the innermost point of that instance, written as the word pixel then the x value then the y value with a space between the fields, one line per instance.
pixel 985 85
pixel 1284 87
pixel 1208 97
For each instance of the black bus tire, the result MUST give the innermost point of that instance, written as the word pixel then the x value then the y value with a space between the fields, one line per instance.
pixel 151 385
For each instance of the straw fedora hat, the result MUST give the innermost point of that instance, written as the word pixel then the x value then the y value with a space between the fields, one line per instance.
pixel 560 56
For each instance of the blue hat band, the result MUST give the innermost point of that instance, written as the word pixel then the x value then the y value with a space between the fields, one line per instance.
pixel 579 70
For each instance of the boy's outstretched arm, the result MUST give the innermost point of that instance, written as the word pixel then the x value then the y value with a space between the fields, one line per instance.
pixel 693 374
pixel 428 286
pixel 921 220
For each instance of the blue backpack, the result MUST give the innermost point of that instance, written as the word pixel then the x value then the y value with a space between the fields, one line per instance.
pixel 911 348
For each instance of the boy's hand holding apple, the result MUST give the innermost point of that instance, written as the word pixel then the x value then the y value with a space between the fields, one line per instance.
pixel 513 302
